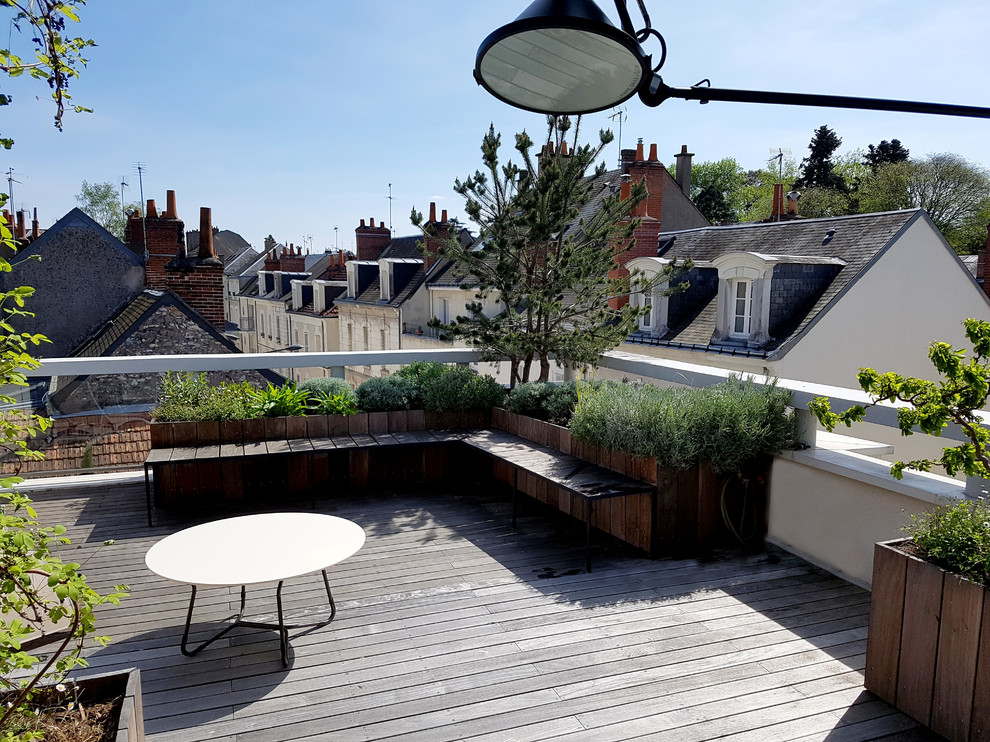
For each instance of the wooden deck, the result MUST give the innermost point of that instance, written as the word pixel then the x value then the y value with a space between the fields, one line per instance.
pixel 451 626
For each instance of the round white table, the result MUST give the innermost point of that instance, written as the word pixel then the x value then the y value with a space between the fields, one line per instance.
pixel 250 550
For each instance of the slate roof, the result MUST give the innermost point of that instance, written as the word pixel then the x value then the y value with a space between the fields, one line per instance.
pixel 227 244
pixel 125 322
pixel 858 241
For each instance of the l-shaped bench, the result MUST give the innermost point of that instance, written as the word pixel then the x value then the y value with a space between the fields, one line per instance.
pixel 221 468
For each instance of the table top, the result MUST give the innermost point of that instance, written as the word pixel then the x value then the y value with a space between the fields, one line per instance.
pixel 252 549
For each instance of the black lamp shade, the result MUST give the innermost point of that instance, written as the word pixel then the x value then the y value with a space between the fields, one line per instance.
pixel 561 57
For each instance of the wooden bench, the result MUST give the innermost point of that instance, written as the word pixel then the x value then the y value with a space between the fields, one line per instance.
pixel 580 478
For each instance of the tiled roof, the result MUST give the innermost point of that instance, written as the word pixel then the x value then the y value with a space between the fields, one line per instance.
pixel 857 241
pixel 228 245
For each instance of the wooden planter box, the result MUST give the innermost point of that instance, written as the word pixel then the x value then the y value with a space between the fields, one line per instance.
pixel 685 516
pixel 928 650
pixel 124 685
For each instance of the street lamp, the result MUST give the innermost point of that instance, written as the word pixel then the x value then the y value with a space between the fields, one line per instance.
pixel 565 57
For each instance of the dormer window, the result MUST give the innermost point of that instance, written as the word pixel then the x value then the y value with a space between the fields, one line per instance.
pixel 742 309
pixel 646 320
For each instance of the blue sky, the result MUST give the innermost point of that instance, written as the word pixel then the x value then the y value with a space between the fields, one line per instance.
pixel 292 118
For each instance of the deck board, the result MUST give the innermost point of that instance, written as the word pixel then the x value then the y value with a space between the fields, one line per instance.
pixel 452 626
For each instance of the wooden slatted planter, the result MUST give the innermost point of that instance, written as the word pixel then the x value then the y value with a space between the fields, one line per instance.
pixel 685 517
pixel 928 648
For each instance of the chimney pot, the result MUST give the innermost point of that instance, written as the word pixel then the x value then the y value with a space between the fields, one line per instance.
pixel 170 210
pixel 683 169
pixel 443 216
pixel 35 226
pixel 433 211
pixel 152 209
pixel 653 153
pixel 625 189
pixel 372 222
pixel 639 151
pixel 563 149
pixel 21 224
pixel 778 197
pixel 362 224
pixel 206 249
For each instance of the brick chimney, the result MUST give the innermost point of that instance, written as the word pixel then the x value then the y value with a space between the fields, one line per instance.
pixel 435 233
pixel 778 203
pixel 683 166
pixel 271 261
pixel 197 280
pixel 371 241
pixel 982 269
pixel 165 240
pixel 134 233
pixel 293 261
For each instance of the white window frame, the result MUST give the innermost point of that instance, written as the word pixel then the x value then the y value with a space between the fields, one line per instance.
pixel 746 316
pixel 443 310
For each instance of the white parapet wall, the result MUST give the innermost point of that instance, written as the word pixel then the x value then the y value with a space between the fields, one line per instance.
pixel 830 507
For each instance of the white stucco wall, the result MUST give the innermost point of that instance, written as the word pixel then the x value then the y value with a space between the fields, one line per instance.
pixel 831 507
pixel 916 292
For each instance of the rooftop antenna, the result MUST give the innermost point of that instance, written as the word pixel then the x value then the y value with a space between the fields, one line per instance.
pixel 123 185
pixel 778 154
pixel 620 115
pixel 336 244
pixel 10 187
pixel 141 168
pixel 391 231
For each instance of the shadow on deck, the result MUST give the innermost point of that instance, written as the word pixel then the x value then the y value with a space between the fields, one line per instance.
pixel 452 626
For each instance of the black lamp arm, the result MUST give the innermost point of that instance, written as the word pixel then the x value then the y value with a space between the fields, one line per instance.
pixel 658 91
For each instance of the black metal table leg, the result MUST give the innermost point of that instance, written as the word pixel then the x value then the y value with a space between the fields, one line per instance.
pixel 281 627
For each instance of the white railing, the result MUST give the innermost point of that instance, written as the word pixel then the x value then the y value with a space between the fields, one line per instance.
pixel 688 374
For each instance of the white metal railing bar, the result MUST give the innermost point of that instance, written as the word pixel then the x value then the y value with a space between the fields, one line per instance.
pixel 679 372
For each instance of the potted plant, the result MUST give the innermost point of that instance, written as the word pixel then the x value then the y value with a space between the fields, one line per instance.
pixel 47 605
pixel 928 649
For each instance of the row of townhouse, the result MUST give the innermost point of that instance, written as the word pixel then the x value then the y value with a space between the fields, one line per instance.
pixel 808 299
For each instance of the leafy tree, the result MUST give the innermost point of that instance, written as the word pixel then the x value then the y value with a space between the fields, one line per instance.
pixel 818 203
pixel 817 168
pixel 27 546
pixel 885 153
pixel 954 192
pixel 102 202
pixel 547 265
pixel 715 189
pixel 58 56
pixel 755 198
pixel 957 398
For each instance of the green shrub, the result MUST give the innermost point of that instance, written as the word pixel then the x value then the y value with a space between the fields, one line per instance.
pixel 327 403
pixel 330 397
pixel 386 394
pixel 552 402
pixel 459 388
pixel 956 536
pixel 279 401
pixel 191 397
pixel 723 425
pixel 420 373
pixel 325 385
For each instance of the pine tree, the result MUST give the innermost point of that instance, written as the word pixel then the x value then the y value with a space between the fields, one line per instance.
pixel 817 168
pixel 885 153
pixel 544 262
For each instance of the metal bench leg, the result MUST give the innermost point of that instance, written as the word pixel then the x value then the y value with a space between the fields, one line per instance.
pixel 587 537
pixel 515 493
pixel 147 493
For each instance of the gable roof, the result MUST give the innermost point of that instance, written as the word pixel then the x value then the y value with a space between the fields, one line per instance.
pixel 858 241
pixel 118 328
pixel 76 218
